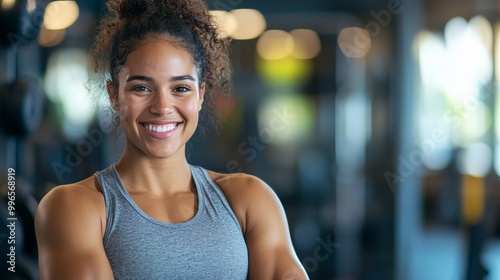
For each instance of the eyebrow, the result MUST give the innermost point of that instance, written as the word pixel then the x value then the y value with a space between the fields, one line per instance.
pixel 140 78
pixel 172 79
pixel 182 78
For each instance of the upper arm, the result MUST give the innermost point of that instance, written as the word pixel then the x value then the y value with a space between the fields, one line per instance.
pixel 69 235
pixel 271 253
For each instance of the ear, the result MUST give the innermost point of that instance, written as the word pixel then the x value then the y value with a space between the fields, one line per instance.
pixel 201 95
pixel 113 94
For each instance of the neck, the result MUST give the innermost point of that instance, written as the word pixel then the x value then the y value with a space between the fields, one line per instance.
pixel 160 176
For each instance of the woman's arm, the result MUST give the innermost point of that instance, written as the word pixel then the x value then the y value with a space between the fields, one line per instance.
pixel 271 254
pixel 264 224
pixel 69 229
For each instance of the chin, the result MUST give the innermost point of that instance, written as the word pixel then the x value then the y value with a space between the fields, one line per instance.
pixel 163 153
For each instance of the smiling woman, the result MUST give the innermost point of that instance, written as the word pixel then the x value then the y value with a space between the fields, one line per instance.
pixel 152 215
pixel 161 96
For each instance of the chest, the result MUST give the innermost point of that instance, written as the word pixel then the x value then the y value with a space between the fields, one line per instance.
pixel 176 208
pixel 208 246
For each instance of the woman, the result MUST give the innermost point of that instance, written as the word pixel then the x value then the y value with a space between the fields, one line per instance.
pixel 152 215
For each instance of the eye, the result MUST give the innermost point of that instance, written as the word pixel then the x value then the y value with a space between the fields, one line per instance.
pixel 182 89
pixel 140 88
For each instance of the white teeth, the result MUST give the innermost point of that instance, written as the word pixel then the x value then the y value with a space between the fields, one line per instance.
pixel 160 128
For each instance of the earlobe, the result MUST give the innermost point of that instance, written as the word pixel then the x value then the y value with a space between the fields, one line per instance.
pixel 113 94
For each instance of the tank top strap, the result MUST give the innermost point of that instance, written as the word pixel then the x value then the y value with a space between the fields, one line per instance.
pixel 108 183
pixel 203 179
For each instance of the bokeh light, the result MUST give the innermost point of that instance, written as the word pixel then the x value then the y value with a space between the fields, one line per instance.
pixel 475 160
pixel 455 70
pixel 288 70
pixel 250 24
pixel 65 85
pixel 285 118
pixel 354 42
pixel 433 59
pixel 275 44
pixel 307 44
pixel 60 14
pixel 31 6
pixel 469 62
pixel 50 38
pixel 225 21
pixel 7 4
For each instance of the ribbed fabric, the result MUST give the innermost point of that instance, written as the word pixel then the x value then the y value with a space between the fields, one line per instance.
pixel 208 246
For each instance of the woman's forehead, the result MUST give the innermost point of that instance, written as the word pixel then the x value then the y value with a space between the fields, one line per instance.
pixel 160 58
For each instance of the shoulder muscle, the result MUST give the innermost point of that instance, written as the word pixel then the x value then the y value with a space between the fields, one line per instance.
pixel 250 198
pixel 271 253
pixel 69 226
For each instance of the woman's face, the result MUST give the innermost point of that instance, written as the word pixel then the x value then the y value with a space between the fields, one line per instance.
pixel 159 98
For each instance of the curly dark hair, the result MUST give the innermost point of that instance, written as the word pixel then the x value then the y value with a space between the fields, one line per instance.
pixel 186 23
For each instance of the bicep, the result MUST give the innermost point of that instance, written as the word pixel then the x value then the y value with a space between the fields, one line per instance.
pixel 69 238
pixel 70 263
pixel 271 253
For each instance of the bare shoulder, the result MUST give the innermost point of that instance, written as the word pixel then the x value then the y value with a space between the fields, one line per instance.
pixel 67 204
pixel 240 181
pixel 74 195
pixel 242 186
pixel 245 193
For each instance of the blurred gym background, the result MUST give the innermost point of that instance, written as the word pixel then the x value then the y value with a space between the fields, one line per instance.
pixel 376 122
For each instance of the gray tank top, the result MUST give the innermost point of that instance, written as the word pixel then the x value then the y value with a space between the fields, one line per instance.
pixel 208 246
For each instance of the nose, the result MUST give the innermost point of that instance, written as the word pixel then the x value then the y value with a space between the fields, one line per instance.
pixel 162 103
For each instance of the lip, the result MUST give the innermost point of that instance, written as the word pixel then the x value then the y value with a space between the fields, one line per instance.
pixel 160 134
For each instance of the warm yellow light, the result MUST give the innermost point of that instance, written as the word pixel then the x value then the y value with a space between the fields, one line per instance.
pixel 60 14
pixel 8 4
pixel 473 196
pixel 250 24
pixel 50 38
pixel 307 43
pixel 275 44
pixel 354 42
pixel 225 21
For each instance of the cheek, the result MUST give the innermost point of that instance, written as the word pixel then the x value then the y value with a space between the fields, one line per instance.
pixel 124 112
pixel 126 109
pixel 193 108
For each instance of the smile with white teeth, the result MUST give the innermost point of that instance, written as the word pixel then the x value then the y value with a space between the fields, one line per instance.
pixel 160 128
